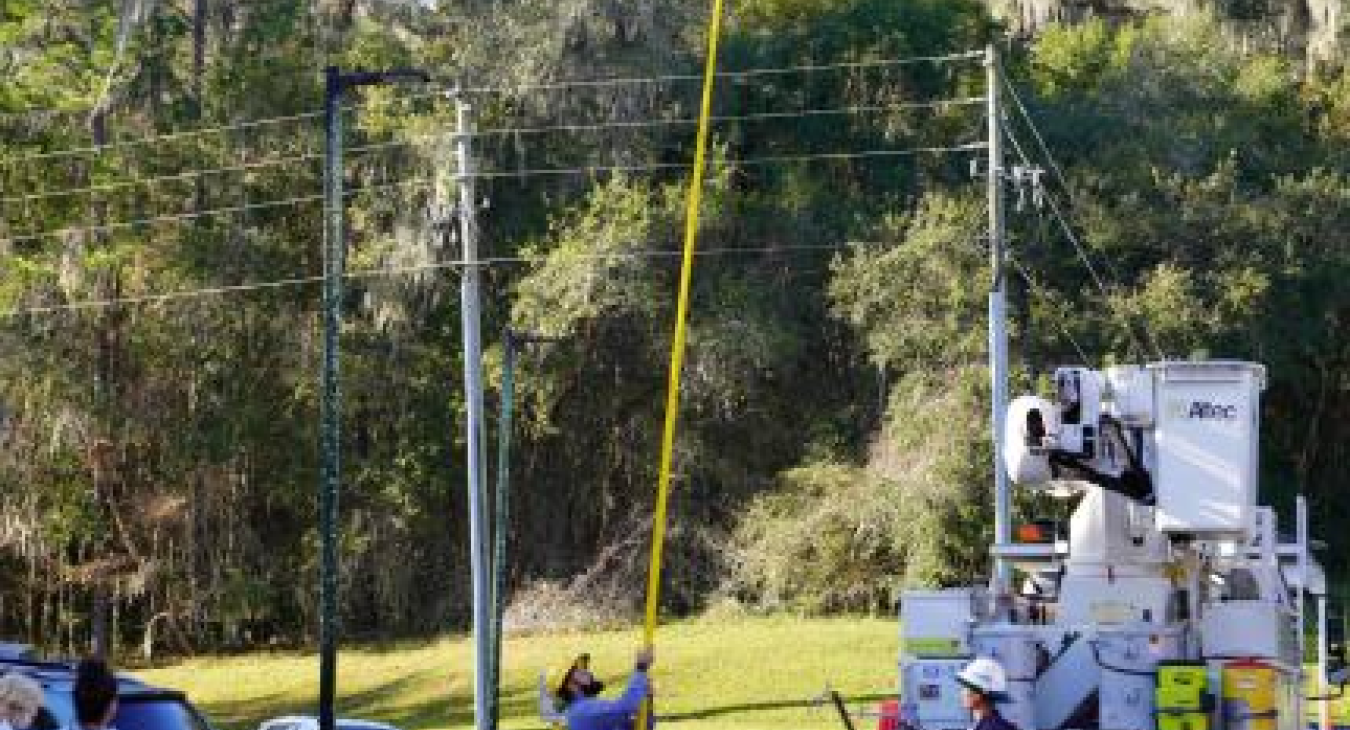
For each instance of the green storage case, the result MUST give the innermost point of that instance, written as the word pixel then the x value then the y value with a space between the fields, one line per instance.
pixel 1181 688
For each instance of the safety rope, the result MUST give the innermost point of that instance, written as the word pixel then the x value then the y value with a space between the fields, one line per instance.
pixel 677 347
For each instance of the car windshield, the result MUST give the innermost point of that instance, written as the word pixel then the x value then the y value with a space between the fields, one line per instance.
pixel 57 712
pixel 156 714
pixel 133 713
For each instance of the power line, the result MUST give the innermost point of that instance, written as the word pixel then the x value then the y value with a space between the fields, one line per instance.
pixel 379 272
pixel 179 217
pixel 1064 186
pixel 1086 259
pixel 581 83
pixel 1040 141
pixel 750 161
pixel 731 75
pixel 855 109
pixel 588 170
pixel 158 138
pixel 502 131
pixel 193 174
pixel 1038 290
pixel 1049 156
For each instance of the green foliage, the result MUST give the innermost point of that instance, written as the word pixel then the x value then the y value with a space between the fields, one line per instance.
pixel 843 537
pixel 1214 181
pixel 831 445
pixel 838 537
pixel 911 294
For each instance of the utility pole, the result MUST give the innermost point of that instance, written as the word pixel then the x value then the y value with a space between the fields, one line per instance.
pixel 473 391
pixel 998 325
pixel 330 394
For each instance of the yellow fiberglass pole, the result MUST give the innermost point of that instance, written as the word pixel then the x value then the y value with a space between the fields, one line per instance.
pixel 677 347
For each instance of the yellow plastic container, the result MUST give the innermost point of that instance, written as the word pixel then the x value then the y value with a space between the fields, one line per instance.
pixel 1251 691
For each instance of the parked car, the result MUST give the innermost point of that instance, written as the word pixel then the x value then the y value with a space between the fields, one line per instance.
pixel 139 706
pixel 309 722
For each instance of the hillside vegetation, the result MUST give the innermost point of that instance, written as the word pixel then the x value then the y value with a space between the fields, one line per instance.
pixel 158 456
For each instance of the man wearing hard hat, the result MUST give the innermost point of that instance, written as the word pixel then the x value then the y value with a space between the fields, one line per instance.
pixel 985 683
pixel 586 710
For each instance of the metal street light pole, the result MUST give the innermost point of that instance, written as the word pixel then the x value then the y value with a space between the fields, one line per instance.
pixel 330 433
pixel 512 340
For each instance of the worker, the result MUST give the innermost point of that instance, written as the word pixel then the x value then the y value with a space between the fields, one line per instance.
pixel 984 683
pixel 586 710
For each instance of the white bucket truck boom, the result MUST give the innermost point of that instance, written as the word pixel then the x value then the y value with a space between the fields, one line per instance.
pixel 1169 602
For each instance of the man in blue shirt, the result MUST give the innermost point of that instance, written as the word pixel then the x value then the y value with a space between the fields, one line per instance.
pixel 586 710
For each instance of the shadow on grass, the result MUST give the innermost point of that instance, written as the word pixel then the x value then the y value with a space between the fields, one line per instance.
pixel 452 708
pixel 519 706
pixel 765 706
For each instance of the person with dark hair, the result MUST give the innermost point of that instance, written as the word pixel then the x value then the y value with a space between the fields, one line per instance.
pixel 984 683
pixel 580 690
pixel 95 695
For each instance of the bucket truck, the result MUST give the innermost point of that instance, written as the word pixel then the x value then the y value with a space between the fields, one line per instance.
pixel 1171 600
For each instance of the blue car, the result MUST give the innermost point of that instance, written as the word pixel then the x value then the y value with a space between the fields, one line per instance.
pixel 139 706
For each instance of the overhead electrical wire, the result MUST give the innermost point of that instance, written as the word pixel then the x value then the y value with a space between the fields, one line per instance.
pixel 1086 258
pixel 413 183
pixel 732 75
pixel 501 131
pixel 1068 193
pixel 748 161
pixel 1040 291
pixel 441 87
pixel 390 271
pixel 1040 141
pixel 158 138
pixel 827 111
pixel 588 170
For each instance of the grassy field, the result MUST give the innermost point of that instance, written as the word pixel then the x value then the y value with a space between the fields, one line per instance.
pixel 733 674
pixel 728 674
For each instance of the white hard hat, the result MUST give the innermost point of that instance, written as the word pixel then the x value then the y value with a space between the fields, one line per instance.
pixel 986 676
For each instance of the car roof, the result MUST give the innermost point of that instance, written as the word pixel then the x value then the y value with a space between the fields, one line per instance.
pixel 310 721
pixel 16 650
pixel 61 675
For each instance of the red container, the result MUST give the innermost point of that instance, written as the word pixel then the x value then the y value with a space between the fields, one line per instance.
pixel 889 715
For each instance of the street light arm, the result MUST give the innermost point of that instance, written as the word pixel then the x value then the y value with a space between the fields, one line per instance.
pixel 526 338
pixel 370 78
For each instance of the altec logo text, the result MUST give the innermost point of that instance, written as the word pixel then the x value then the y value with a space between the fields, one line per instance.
pixel 1202 410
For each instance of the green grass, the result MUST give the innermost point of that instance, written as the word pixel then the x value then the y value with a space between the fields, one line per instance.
pixel 732 674
pixel 728 674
